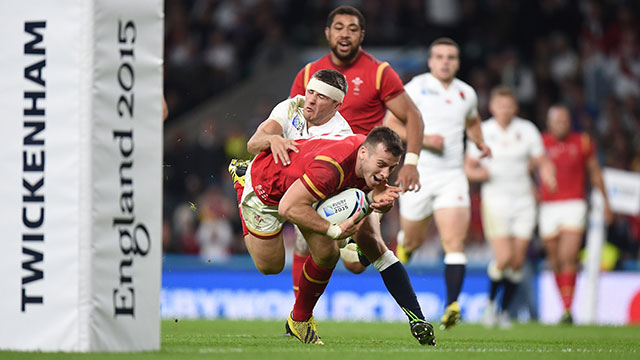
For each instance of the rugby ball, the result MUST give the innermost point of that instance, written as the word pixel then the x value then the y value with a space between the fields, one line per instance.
pixel 338 208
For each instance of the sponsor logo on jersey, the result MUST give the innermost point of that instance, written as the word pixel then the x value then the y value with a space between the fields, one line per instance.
pixel 297 123
pixel 429 92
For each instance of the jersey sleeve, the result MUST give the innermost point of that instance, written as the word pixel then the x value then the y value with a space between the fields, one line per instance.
pixel 536 147
pixel 473 103
pixel 323 176
pixel 588 148
pixel 390 84
pixel 412 89
pixel 297 88
pixel 280 113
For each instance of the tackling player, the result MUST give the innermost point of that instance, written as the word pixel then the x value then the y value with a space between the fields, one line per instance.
pixel 563 213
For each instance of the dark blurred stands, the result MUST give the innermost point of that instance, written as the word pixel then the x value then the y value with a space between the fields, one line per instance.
pixel 584 53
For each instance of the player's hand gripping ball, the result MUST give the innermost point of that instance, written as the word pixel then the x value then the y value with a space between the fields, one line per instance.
pixel 338 208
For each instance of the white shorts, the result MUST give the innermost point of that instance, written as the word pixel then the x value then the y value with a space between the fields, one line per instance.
pixel 562 215
pixel 262 221
pixel 440 189
pixel 504 216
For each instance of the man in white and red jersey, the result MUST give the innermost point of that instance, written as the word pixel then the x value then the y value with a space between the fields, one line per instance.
pixel 508 200
pixel 373 88
pixel 449 108
pixel 563 212
pixel 276 192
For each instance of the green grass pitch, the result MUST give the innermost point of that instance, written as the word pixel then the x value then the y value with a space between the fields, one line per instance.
pixel 222 339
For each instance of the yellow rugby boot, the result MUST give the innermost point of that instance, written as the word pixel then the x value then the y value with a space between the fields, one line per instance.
pixel 304 331
pixel 451 316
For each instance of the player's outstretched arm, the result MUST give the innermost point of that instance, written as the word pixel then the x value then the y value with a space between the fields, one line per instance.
pixel 269 135
pixel 296 206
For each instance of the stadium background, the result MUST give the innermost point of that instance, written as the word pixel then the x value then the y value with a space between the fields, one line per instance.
pixel 227 63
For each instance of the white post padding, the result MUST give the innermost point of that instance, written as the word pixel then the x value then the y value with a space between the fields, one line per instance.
pixel 80 191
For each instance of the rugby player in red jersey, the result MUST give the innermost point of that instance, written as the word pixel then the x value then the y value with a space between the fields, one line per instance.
pixel 563 212
pixel 275 193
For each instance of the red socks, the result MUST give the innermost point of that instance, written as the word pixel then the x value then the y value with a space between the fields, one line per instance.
pixel 296 270
pixel 566 284
pixel 239 190
pixel 311 284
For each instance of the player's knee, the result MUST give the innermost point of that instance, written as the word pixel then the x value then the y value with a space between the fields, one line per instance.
pixel 411 240
pixel 270 268
pixel 327 259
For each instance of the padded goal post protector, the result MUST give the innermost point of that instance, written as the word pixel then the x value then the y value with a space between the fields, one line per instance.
pixel 80 191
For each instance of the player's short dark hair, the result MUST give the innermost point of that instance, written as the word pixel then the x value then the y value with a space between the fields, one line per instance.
pixel 502 90
pixel 347 10
pixel 387 137
pixel 333 78
pixel 443 41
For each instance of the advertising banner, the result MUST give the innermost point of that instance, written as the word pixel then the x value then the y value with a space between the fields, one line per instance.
pixel 76 161
pixel 234 294
pixel 623 190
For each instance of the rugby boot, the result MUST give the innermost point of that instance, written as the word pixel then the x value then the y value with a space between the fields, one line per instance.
pixel 423 331
pixel 490 315
pixel 451 316
pixel 237 170
pixel 304 331
pixel 566 318
pixel 403 255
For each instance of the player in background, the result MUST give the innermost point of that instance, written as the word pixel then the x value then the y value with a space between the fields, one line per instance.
pixel 508 200
pixel 275 193
pixel 563 213
pixel 316 114
pixel 448 107
pixel 374 88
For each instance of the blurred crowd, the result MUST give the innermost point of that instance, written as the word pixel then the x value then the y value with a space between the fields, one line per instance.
pixel 584 53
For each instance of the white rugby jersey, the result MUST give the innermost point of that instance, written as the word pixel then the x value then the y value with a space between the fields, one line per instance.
pixel 511 150
pixel 444 112
pixel 289 114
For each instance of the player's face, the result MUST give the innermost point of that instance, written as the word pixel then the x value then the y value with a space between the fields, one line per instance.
pixel 503 108
pixel 559 122
pixel 377 165
pixel 319 108
pixel 444 62
pixel 345 36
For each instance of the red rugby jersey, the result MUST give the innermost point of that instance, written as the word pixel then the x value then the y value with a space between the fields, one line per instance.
pixel 325 164
pixel 370 84
pixel 569 156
